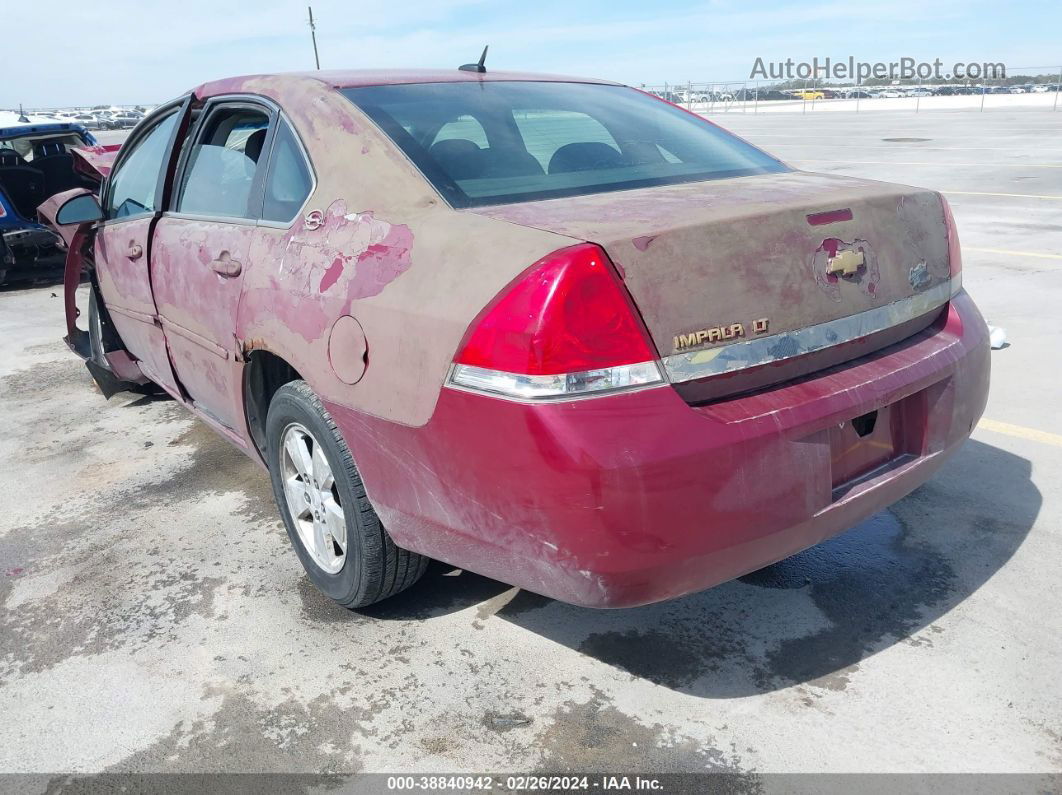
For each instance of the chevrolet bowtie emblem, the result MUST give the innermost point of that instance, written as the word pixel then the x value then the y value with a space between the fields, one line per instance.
pixel 844 263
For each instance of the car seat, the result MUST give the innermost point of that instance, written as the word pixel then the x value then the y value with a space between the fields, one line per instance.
pixel 57 167
pixel 22 184
pixel 585 156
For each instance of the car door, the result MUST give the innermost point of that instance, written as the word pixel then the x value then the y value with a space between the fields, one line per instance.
pixel 132 199
pixel 199 254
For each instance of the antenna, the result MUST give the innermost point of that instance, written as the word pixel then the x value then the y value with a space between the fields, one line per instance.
pixel 313 38
pixel 22 117
pixel 476 67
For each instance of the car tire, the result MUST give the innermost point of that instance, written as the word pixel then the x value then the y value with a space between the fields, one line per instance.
pixel 95 332
pixel 313 474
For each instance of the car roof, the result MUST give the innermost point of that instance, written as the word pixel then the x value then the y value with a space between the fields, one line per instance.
pixel 356 78
pixel 10 125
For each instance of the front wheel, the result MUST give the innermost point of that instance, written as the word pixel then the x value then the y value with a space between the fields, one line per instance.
pixel 95 331
pixel 335 531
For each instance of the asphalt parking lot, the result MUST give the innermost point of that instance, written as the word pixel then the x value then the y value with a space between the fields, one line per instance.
pixel 154 618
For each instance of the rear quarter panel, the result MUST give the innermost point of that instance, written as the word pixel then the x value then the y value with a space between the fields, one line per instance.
pixel 390 252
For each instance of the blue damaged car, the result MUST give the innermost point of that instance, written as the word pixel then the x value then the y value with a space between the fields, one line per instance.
pixel 35 163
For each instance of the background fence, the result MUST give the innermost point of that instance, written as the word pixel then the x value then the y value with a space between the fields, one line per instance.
pixel 1032 87
pixel 1029 86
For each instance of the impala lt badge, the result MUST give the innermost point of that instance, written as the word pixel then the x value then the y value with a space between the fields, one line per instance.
pixel 719 334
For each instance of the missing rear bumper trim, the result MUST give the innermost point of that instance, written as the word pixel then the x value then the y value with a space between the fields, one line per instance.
pixel 692 365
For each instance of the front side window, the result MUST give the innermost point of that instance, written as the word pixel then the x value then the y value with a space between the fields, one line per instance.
pixel 133 185
pixel 289 180
pixel 220 175
pixel 498 142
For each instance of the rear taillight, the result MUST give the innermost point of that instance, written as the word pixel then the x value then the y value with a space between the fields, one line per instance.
pixel 954 252
pixel 3 210
pixel 566 327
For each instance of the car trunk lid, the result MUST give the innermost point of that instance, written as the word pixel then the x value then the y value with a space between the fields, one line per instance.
pixel 95 162
pixel 735 279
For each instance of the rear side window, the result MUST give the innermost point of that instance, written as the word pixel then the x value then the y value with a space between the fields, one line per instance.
pixel 497 142
pixel 220 176
pixel 131 189
pixel 289 180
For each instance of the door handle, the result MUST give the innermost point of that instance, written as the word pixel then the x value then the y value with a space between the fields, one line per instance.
pixel 135 251
pixel 226 265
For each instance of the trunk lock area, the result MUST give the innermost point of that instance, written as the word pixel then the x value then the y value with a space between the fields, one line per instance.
pixel 864 424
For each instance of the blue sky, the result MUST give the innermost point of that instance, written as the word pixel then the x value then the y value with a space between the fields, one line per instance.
pixel 127 51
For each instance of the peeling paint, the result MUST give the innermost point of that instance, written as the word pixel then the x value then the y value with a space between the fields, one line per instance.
pixel 377 252
pixel 331 276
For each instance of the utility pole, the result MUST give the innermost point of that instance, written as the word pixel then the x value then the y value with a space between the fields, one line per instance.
pixel 313 38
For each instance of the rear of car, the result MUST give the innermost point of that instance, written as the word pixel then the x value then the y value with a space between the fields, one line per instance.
pixel 36 162
pixel 729 362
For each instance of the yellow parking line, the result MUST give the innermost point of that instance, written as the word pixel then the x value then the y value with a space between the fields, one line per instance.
pixel 920 163
pixel 1012 253
pixel 1008 195
pixel 1021 432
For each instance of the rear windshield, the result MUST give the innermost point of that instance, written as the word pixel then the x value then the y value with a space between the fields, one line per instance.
pixel 501 142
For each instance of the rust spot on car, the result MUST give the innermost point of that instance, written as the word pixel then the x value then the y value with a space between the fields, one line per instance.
pixel 858 253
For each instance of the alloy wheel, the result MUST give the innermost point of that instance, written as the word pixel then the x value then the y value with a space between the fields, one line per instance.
pixel 312 498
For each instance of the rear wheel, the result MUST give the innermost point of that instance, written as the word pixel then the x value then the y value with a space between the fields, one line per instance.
pixel 335 531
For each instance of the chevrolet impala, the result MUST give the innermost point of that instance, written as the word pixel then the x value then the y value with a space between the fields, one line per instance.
pixel 552 330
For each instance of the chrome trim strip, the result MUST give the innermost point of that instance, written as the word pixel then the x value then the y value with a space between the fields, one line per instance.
pixel 706 362
pixel 235 220
pixel 170 327
pixel 452 382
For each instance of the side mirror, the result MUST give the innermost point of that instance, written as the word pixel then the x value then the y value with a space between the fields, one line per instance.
pixel 83 209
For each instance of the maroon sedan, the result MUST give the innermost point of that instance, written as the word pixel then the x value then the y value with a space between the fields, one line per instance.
pixel 555 331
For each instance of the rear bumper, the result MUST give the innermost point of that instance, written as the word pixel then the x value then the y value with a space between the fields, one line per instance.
pixel 636 498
